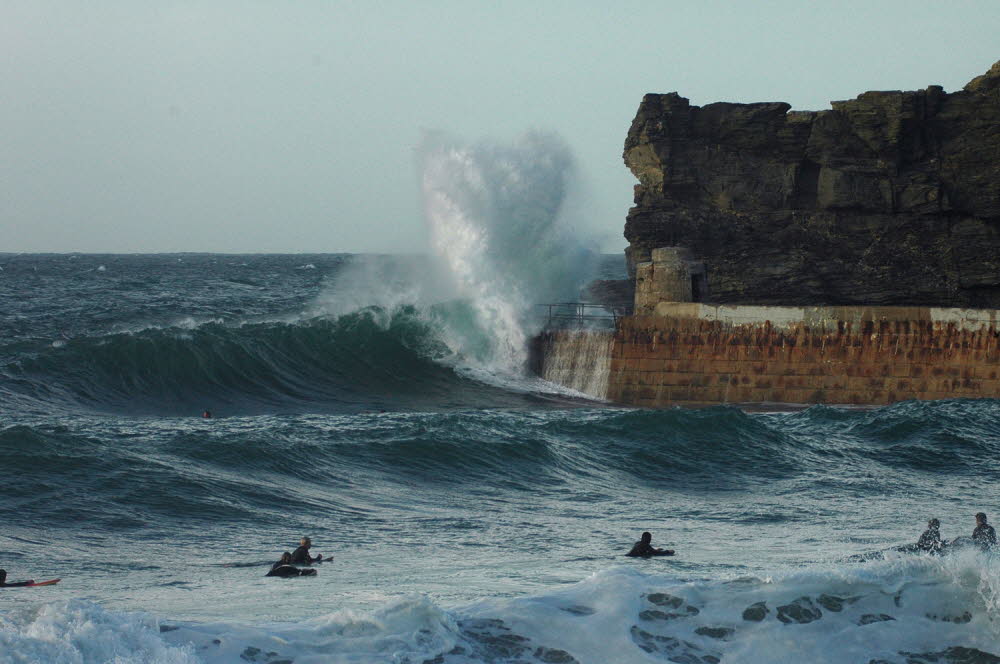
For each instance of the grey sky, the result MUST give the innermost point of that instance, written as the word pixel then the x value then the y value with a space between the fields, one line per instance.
pixel 290 126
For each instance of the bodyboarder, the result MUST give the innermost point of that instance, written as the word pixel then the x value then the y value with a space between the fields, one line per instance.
pixel 930 540
pixel 301 555
pixel 644 549
pixel 984 535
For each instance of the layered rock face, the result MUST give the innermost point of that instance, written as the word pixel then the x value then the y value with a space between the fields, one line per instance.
pixel 890 198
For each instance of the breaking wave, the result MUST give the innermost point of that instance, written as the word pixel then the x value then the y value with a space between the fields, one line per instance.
pixel 370 359
pixel 905 610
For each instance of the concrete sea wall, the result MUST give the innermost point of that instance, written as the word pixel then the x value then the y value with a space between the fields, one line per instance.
pixel 579 360
pixel 694 354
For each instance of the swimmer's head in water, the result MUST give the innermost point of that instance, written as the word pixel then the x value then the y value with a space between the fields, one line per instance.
pixel 981 517
pixel 306 542
pixel 933 523
pixel 647 538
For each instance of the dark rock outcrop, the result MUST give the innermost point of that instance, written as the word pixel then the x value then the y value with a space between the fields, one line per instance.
pixel 892 198
pixel 756 612
pixel 800 611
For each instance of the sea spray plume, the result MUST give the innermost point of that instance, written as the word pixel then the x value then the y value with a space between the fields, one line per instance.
pixel 494 220
pixel 498 244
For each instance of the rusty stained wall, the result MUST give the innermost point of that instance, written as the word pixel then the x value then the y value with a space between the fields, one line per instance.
pixel 657 361
pixel 578 359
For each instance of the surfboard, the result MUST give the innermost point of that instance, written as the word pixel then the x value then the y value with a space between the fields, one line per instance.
pixel 31 584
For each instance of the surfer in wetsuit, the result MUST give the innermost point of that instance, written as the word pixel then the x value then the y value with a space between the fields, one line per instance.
pixel 643 548
pixel 284 568
pixel 930 541
pixel 984 535
pixel 301 555
pixel 17 584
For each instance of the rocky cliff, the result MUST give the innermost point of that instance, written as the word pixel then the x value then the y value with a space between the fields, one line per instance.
pixel 890 198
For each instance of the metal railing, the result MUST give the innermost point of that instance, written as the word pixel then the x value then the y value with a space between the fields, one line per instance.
pixel 581 314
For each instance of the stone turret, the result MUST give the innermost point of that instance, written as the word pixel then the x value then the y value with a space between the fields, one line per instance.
pixel 672 275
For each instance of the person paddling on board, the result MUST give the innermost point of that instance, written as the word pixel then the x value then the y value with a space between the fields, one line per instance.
pixel 284 568
pixel 930 541
pixel 23 584
pixel 643 548
pixel 301 555
pixel 984 535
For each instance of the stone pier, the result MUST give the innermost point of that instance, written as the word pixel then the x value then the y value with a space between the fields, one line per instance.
pixel 697 354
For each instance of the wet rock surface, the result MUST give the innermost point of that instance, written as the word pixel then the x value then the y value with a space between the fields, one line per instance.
pixel 892 198
pixel 800 611
pixel 579 610
pixel 258 656
pixel 721 633
pixel 669 646
pixel 953 655
pixel 674 607
pixel 834 603
pixel 663 599
pixel 756 612
pixel 491 640
pixel 958 619
pixel 672 649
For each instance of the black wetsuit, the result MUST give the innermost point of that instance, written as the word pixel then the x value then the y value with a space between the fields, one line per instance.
pixel 930 540
pixel 16 584
pixel 284 570
pixel 300 556
pixel 644 550
pixel 984 535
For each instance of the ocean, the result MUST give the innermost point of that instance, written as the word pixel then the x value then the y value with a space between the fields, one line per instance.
pixel 474 513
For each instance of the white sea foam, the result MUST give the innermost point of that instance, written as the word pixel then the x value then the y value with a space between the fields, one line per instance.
pixel 499 244
pixel 890 610
pixel 81 632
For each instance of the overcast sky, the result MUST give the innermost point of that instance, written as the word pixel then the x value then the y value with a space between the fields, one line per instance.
pixel 287 126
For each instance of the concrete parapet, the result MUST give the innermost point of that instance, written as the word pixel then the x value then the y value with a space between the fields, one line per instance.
pixel 826 318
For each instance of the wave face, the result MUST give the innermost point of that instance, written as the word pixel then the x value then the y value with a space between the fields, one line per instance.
pixel 172 336
pixel 581 455
pixel 371 359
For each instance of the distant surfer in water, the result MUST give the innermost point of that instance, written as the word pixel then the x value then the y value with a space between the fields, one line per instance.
pixel 17 584
pixel 284 568
pixel 301 555
pixel 207 414
pixel 984 535
pixel 930 540
pixel 644 549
